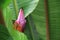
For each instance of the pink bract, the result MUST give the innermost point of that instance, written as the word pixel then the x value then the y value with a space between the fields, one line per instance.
pixel 21 19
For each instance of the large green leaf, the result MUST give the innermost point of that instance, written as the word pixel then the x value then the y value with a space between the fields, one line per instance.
pixel 54 19
pixel 35 35
pixel 39 19
pixel 28 31
pixel 16 35
pixel 36 23
pixel 28 6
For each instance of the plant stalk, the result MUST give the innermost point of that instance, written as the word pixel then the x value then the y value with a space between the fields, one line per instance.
pixel 47 21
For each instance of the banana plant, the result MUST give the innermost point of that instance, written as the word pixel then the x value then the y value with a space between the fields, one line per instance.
pixel 8 16
pixel 35 16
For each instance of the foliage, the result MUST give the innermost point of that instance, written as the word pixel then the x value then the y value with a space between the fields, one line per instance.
pixel 39 19
pixel 12 10
pixel 34 12
pixel 4 3
pixel 54 19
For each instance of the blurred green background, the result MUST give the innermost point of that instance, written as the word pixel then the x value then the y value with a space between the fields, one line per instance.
pixel 36 19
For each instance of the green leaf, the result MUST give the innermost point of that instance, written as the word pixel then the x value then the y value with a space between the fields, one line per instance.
pixel 39 19
pixel 54 19
pixel 37 23
pixel 28 6
pixel 28 31
pixel 16 35
pixel 4 3
pixel 35 35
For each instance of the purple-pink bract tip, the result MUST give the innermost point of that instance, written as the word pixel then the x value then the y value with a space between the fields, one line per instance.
pixel 21 19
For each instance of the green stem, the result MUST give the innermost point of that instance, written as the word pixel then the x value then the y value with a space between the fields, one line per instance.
pixel 15 7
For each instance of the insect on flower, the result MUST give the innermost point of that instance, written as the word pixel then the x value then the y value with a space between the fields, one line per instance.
pixel 19 24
